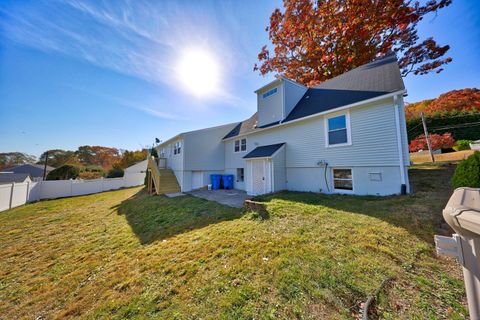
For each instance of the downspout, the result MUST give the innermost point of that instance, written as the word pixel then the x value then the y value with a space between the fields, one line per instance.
pixel 400 145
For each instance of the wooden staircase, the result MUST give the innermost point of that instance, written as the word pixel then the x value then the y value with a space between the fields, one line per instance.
pixel 160 180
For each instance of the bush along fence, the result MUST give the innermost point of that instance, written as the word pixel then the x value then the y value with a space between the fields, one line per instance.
pixel 16 194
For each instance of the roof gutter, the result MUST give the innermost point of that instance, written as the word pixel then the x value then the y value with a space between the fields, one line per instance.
pixel 397 107
pixel 348 106
pixel 180 135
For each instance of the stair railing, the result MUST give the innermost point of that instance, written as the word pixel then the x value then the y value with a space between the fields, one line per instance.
pixel 155 173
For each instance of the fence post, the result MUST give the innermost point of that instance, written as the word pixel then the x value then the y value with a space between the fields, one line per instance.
pixel 11 195
pixel 71 187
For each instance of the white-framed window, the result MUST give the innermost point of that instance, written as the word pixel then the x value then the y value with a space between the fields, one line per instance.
pixel 337 130
pixel 269 93
pixel 162 152
pixel 177 147
pixel 240 175
pixel 240 145
pixel 342 179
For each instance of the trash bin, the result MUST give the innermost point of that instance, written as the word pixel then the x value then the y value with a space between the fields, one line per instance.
pixel 462 213
pixel 227 181
pixel 215 179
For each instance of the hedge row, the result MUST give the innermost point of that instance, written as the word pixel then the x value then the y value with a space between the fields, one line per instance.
pixel 472 132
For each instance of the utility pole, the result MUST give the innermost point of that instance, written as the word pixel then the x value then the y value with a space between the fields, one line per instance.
pixel 45 166
pixel 425 130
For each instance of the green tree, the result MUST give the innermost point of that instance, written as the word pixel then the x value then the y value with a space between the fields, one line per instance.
pixel 64 172
pixel 59 157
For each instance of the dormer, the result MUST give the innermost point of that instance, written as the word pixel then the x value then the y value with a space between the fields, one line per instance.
pixel 277 99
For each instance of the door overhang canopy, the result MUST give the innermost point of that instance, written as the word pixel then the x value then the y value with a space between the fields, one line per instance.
pixel 264 151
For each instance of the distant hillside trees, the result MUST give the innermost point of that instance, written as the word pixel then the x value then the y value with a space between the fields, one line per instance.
pixel 456 112
pixel 453 101
pixel 129 158
pixel 8 159
pixel 58 157
pixel 103 157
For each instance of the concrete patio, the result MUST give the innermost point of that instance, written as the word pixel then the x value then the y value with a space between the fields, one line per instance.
pixel 232 198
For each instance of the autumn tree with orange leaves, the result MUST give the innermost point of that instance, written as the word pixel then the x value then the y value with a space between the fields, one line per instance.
pixel 314 41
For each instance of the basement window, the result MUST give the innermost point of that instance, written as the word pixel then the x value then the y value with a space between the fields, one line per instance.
pixel 343 179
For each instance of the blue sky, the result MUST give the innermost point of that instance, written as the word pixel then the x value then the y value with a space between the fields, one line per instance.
pixel 78 72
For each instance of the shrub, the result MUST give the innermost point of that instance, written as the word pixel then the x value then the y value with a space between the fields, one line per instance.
pixel 65 172
pixel 153 152
pixel 115 173
pixel 437 141
pixel 467 173
pixel 90 175
pixel 462 145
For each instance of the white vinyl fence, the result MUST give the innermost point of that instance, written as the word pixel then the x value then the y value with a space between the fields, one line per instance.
pixel 16 194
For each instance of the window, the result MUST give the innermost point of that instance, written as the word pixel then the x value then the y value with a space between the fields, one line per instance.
pixel 338 130
pixel 342 179
pixel 240 175
pixel 269 93
pixel 240 145
pixel 177 147
pixel 162 152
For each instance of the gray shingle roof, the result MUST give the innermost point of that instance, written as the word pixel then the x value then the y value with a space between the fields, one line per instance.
pixel 13 177
pixel 374 79
pixel 35 170
pixel 263 151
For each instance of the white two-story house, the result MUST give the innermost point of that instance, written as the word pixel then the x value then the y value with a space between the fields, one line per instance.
pixel 347 135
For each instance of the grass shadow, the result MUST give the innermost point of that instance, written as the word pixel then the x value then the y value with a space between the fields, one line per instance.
pixel 419 213
pixel 154 218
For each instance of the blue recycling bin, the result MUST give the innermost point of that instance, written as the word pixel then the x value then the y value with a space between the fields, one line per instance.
pixel 227 181
pixel 215 179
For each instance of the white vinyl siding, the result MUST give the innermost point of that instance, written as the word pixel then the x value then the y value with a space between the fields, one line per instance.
pixel 279 170
pixel 270 109
pixel 204 149
pixel 373 140
pixel 293 93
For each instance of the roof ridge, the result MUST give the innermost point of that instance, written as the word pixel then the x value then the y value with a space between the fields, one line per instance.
pixel 375 60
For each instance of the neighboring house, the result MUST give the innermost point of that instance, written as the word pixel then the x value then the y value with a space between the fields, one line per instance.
pixel 34 170
pixel 347 135
pixel 9 177
pixel 139 167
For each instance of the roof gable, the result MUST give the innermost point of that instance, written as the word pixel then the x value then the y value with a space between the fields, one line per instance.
pixel 377 78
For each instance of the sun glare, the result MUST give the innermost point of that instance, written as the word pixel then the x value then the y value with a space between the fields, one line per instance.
pixel 198 72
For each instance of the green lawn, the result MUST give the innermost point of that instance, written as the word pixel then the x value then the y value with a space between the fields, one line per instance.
pixel 124 254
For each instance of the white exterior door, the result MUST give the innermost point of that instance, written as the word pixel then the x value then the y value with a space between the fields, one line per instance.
pixel 197 179
pixel 258 177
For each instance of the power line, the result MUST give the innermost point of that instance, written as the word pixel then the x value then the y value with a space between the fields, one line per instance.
pixel 461 125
